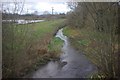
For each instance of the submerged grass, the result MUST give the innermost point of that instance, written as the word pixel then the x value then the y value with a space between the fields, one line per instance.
pixel 55 44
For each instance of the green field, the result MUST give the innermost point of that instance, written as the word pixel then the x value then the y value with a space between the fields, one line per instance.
pixel 27 46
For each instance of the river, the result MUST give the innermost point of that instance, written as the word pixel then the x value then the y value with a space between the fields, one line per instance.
pixel 72 64
pixel 23 21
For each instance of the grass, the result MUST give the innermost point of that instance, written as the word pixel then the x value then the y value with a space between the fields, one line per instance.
pixel 27 46
pixel 55 46
pixel 95 45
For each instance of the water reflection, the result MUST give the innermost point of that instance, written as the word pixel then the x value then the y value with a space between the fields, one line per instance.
pixel 23 21
pixel 72 64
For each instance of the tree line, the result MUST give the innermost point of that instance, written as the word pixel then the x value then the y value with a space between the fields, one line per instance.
pixel 101 17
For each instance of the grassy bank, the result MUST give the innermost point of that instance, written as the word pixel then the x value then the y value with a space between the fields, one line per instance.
pixel 95 46
pixel 27 46
pixel 55 47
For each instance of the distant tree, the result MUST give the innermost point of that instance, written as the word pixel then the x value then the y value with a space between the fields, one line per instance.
pixel 77 16
pixel 61 13
pixel 35 13
pixel 56 13
pixel 46 13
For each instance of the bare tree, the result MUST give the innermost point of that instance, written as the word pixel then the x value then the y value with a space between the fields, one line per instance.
pixel 16 40
pixel 104 16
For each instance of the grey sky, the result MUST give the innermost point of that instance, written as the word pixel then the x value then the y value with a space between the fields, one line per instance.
pixel 30 7
pixel 59 7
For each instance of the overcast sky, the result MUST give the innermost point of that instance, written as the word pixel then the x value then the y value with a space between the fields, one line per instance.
pixel 59 7
pixel 31 7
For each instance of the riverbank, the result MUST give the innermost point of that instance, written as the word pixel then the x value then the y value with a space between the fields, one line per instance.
pixel 27 46
pixel 80 39
pixel 95 45
pixel 72 64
